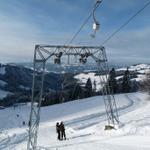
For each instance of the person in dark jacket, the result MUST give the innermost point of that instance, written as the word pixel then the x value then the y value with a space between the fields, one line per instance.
pixel 58 130
pixel 62 131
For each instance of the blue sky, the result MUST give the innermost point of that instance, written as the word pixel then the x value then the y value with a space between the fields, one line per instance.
pixel 25 23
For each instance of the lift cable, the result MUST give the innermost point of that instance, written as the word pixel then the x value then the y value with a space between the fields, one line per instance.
pixel 76 34
pixel 126 23
pixel 96 5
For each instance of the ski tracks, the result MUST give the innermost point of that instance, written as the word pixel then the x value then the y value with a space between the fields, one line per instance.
pixel 9 141
pixel 93 119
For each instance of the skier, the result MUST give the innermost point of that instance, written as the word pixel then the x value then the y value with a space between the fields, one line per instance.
pixel 62 130
pixel 23 123
pixel 58 130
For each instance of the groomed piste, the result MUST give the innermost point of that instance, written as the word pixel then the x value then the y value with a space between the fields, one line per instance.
pixel 84 120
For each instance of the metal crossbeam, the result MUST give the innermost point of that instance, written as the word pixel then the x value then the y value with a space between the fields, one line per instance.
pixel 42 54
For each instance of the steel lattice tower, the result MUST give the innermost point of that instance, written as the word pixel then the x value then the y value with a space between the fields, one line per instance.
pixel 42 54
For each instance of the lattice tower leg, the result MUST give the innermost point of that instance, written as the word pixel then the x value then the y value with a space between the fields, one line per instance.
pixel 37 92
pixel 108 96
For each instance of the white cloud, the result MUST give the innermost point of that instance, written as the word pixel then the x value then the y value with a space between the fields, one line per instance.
pixel 18 39
pixel 19 35
pixel 130 46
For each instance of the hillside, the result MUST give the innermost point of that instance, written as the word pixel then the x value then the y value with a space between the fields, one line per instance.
pixel 137 74
pixel 84 122
pixel 16 83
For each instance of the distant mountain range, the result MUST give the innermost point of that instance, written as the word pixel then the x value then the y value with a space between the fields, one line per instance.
pixel 69 68
pixel 16 83
pixel 16 79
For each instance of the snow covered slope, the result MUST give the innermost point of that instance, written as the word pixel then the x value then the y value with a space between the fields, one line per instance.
pixel 2 70
pixel 85 120
pixel 137 73
pixel 141 68
pixel 3 94
pixel 95 79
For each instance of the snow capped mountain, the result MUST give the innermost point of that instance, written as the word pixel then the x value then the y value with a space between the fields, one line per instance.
pixel 137 73
pixel 141 68
pixel 16 83
pixel 16 80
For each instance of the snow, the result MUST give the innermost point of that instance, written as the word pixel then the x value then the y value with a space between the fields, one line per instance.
pixel 85 120
pixel 3 94
pixel 141 68
pixel 83 77
pixel 2 70
pixel 2 83
pixel 119 77
pixel 139 78
pixel 24 87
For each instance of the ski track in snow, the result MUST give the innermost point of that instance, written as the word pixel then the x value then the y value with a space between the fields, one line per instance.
pixel 82 120
pixel 81 131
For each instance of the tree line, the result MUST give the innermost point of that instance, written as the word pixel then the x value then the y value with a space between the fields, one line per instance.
pixel 74 90
pixel 119 87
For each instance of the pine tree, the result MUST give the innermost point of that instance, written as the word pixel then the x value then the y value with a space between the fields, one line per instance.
pixel 126 82
pixel 94 86
pixel 112 80
pixel 77 92
pixel 145 85
pixel 88 88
